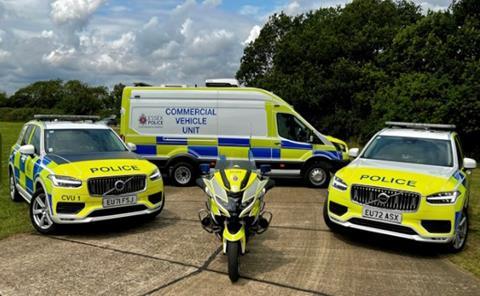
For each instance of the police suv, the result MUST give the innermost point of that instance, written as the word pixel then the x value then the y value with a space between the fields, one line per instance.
pixel 72 170
pixel 410 181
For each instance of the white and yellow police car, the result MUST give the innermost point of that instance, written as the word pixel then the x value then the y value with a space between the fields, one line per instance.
pixel 72 170
pixel 410 181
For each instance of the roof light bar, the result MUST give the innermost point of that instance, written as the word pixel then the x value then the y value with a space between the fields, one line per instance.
pixel 55 117
pixel 428 126
pixel 222 82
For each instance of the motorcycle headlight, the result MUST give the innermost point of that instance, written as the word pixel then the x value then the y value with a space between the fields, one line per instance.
pixel 449 197
pixel 64 181
pixel 155 175
pixel 339 184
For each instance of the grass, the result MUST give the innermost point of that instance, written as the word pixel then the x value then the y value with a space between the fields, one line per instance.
pixel 14 216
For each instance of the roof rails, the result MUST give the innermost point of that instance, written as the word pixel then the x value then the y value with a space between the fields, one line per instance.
pixel 223 82
pixel 55 117
pixel 426 126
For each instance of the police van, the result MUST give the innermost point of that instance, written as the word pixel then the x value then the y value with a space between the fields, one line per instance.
pixel 180 127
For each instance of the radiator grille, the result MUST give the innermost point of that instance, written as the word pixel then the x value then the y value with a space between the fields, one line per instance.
pixel 385 198
pixel 100 186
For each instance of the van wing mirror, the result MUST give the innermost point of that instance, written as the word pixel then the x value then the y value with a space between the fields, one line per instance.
pixel 469 163
pixel 353 152
pixel 27 150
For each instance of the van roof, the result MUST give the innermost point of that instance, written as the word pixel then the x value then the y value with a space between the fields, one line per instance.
pixel 250 93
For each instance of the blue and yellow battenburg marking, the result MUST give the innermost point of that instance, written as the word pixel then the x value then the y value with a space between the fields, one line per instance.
pixel 212 148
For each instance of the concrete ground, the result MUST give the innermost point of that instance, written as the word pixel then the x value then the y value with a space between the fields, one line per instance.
pixel 172 255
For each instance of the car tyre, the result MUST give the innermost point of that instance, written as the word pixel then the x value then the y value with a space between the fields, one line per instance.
pixel 461 234
pixel 14 195
pixel 317 174
pixel 40 214
pixel 182 174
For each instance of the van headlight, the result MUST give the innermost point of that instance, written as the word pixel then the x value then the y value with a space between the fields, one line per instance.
pixel 443 197
pixel 155 175
pixel 64 181
pixel 339 184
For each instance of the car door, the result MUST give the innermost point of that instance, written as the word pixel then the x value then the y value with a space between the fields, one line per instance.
pixel 465 176
pixel 20 160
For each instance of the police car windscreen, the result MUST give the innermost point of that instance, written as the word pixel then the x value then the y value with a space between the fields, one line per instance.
pixel 411 150
pixel 81 141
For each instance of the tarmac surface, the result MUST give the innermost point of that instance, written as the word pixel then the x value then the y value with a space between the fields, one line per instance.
pixel 298 255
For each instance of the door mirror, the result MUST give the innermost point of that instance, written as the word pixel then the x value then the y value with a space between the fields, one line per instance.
pixel 27 150
pixel 353 152
pixel 205 168
pixel 311 138
pixel 469 163
pixel 265 168
pixel 132 146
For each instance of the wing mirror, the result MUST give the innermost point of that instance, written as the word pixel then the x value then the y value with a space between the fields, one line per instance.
pixel 205 168
pixel 353 152
pixel 132 146
pixel 27 150
pixel 265 168
pixel 469 163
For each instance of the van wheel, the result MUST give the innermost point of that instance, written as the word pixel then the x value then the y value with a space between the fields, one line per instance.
pixel 182 174
pixel 40 214
pixel 461 233
pixel 317 174
pixel 14 195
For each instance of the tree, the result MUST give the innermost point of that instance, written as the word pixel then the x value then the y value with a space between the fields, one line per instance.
pixel 79 98
pixel 3 100
pixel 41 94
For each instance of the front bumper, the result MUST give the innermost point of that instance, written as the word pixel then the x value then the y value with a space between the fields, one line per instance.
pixel 412 226
pixel 93 209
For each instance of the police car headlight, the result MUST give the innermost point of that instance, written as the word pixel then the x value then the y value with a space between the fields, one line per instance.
pixel 339 184
pixel 443 197
pixel 64 181
pixel 155 175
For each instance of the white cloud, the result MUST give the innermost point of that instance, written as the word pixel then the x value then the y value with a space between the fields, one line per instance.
pixel 212 2
pixel 64 11
pixel 47 34
pixel 4 54
pixel 249 10
pixel 254 33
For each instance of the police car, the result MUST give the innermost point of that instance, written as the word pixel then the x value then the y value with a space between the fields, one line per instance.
pixel 72 170
pixel 410 181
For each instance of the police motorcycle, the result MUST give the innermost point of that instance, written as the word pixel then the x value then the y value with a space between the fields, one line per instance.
pixel 235 204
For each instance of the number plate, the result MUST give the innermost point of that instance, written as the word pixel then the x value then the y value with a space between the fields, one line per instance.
pixel 119 201
pixel 382 215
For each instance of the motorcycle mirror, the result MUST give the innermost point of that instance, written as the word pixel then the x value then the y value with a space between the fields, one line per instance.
pixel 265 168
pixel 205 168
pixel 200 183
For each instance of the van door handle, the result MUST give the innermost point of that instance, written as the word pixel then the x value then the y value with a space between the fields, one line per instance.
pixel 277 143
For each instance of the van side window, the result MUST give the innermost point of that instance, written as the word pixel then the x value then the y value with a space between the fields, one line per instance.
pixel 26 135
pixel 36 140
pixel 459 152
pixel 289 127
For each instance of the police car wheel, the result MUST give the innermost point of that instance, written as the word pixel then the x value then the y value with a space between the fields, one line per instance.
pixel 40 214
pixel 317 175
pixel 14 195
pixel 461 233
pixel 182 174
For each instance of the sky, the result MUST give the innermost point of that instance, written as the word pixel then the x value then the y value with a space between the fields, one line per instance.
pixel 104 42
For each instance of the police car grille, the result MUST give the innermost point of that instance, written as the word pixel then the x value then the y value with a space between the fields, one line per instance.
pixel 398 200
pixel 99 186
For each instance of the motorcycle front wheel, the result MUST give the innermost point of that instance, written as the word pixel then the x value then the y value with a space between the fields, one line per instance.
pixel 233 249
